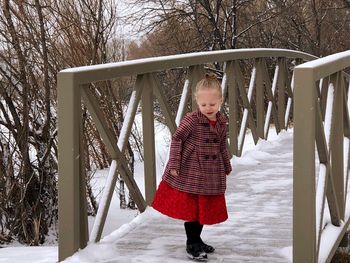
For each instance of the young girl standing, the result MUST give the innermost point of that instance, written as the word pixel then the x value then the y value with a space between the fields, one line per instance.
pixel 194 182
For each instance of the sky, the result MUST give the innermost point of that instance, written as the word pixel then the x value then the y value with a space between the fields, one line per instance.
pixel 125 28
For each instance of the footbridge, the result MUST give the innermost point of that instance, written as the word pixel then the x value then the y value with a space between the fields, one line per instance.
pixel 262 87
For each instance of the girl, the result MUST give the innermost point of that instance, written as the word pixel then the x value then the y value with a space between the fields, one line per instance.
pixel 194 182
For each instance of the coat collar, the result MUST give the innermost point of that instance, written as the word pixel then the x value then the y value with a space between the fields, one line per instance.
pixel 219 117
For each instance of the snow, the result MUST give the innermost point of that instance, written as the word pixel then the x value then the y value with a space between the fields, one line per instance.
pixel 104 201
pixel 286 252
pixel 240 53
pixel 121 222
pixel 105 250
pixel 182 105
pixel 321 183
pixel 242 130
pixel 252 84
pixel 326 66
pixel 329 112
pixel 328 61
pixel 269 107
pixel 329 236
pixel 28 254
pixel 268 116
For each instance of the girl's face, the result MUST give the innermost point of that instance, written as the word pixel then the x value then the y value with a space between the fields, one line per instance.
pixel 209 102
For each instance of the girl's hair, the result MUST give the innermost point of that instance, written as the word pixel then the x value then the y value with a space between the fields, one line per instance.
pixel 209 82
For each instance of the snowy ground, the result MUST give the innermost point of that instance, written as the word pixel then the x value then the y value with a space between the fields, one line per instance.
pixel 116 217
pixel 259 228
pixel 262 169
pixel 119 222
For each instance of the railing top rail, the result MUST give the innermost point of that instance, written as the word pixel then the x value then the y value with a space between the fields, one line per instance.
pixel 328 65
pixel 93 73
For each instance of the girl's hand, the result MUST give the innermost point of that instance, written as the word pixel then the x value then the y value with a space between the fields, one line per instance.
pixel 173 172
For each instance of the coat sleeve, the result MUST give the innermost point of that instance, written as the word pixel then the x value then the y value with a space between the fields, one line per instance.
pixel 179 137
pixel 224 151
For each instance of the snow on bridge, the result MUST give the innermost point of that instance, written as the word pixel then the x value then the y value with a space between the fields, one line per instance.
pixel 259 228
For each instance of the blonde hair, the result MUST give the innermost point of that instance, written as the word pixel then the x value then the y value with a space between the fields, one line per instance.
pixel 209 82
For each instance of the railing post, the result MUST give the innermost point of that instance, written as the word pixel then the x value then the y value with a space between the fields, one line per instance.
pixel 281 92
pixel 196 74
pixel 233 112
pixel 323 86
pixel 337 138
pixel 260 91
pixel 73 231
pixel 148 141
pixel 304 213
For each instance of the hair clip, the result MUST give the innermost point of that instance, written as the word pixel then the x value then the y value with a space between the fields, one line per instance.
pixel 210 76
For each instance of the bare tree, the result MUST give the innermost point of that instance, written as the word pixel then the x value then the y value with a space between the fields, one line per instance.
pixel 212 25
pixel 35 44
pixel 308 25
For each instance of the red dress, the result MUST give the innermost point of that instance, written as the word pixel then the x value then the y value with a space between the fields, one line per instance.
pixel 206 209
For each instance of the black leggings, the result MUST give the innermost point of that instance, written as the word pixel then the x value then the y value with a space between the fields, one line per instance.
pixel 193 232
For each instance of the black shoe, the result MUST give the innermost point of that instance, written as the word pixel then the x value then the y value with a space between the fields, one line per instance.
pixel 195 252
pixel 207 248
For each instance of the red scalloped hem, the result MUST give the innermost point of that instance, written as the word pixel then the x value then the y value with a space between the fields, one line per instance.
pixel 206 209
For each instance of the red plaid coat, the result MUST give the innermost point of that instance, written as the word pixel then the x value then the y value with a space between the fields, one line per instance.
pixel 199 153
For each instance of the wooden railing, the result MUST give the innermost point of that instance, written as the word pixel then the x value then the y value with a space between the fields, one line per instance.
pixel 267 78
pixel 321 117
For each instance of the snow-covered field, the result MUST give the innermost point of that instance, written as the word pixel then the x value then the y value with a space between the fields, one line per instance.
pixel 120 221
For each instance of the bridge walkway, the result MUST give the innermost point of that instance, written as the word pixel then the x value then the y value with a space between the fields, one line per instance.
pixel 259 228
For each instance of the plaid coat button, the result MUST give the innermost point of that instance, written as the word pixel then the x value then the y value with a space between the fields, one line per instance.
pixel 206 157
pixel 214 157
